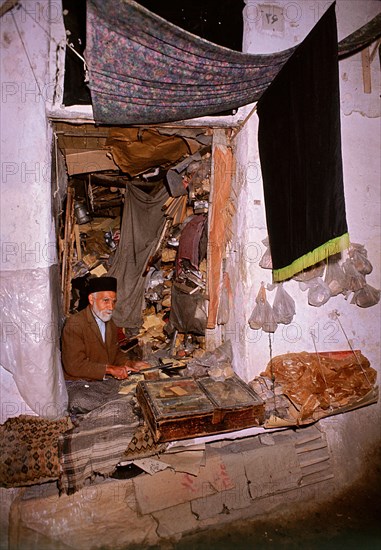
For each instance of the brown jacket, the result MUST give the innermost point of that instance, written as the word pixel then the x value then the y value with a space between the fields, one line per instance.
pixel 84 354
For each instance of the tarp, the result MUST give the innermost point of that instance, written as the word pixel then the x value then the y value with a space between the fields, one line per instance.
pixel 145 70
pixel 300 151
pixel 30 341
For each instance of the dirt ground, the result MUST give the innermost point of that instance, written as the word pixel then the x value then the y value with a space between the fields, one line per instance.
pixel 350 522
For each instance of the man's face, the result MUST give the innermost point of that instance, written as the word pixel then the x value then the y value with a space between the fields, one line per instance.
pixel 102 304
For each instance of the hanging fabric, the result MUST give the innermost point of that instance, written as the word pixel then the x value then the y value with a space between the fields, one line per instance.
pixel 143 220
pixel 145 70
pixel 300 150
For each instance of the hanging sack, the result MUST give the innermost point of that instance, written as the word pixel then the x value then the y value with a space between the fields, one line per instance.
pixel 367 296
pixel 355 279
pixel 358 256
pixel 266 261
pixel 283 306
pixel 318 293
pixel 262 316
pixel 335 278
pixel 188 312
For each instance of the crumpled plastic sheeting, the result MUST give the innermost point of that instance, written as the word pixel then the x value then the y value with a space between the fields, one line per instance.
pixel 30 339
pixel 322 382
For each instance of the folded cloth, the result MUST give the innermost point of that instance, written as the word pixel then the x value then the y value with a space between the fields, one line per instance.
pixel 85 396
pixel 96 446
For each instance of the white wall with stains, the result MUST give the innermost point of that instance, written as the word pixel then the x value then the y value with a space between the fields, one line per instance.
pixel 30 373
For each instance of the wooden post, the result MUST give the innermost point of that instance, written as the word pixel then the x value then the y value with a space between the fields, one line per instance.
pixel 68 248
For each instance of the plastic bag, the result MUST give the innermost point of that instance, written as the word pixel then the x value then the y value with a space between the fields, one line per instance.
pixel 318 292
pixel 283 306
pixel 266 260
pixel 367 296
pixel 358 256
pixel 335 278
pixel 355 279
pixel 262 316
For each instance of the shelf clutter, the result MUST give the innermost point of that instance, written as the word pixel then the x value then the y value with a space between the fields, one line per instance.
pixel 91 222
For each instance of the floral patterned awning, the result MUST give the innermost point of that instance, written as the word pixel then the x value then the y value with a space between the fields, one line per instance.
pixel 145 70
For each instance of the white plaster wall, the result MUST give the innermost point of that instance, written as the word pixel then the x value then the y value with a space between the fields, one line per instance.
pixel 28 242
pixel 26 224
pixel 361 159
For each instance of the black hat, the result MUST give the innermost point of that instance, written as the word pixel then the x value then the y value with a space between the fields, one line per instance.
pixel 101 284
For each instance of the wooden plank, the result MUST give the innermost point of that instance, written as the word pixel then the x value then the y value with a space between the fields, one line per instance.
pixel 366 76
pixel 79 161
pixel 69 208
pixel 68 251
pixel 78 242
pixel 223 169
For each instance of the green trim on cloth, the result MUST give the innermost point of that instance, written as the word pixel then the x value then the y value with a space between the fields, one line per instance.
pixel 333 246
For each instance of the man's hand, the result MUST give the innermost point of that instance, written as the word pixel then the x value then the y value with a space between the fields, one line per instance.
pixel 121 372
pixel 137 366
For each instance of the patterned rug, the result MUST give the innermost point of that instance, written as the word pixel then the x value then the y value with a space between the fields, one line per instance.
pixel 29 450
pixel 142 445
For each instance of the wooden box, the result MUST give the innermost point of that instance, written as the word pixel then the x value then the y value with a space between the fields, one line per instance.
pixel 181 408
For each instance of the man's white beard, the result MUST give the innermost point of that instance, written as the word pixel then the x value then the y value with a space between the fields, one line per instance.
pixel 104 315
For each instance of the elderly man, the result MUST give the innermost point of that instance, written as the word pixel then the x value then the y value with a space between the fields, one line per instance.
pixel 90 348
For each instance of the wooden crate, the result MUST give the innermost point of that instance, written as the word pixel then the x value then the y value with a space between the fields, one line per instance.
pixel 181 408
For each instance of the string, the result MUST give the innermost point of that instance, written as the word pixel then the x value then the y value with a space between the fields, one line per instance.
pixel 26 53
pixel 71 46
pixel 272 373
pixel 351 348
pixel 313 336
pixel 236 131
pixel 37 23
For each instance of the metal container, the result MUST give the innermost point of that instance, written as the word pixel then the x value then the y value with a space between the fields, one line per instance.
pixel 81 213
